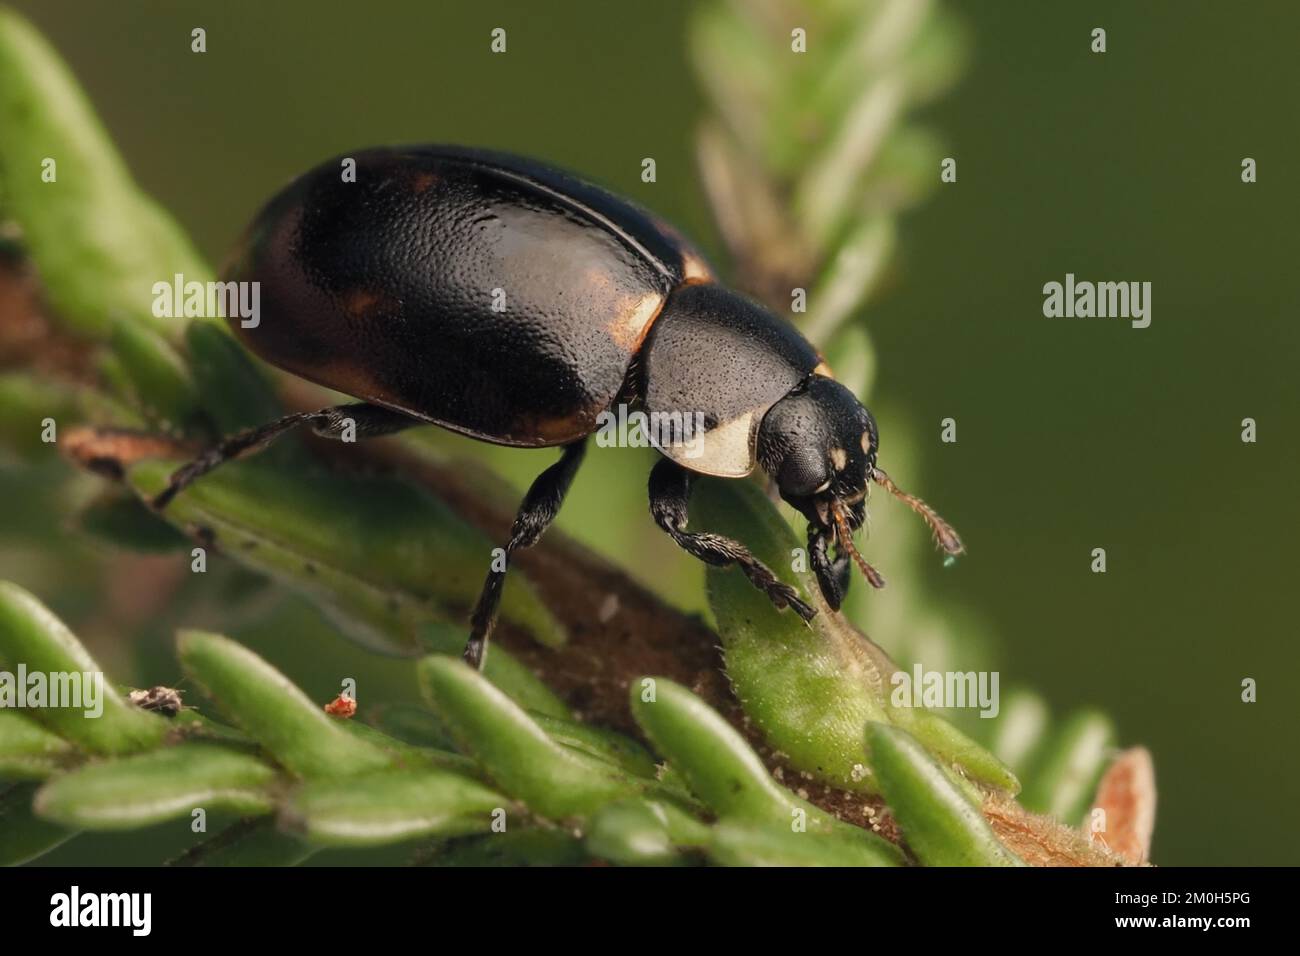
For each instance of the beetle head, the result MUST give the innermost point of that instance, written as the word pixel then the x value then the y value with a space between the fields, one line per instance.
pixel 819 444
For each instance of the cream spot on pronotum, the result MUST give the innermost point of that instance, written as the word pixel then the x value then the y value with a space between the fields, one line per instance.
pixel 839 458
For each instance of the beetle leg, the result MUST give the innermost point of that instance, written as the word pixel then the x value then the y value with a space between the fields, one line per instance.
pixel 366 421
pixel 670 493
pixel 833 575
pixel 537 511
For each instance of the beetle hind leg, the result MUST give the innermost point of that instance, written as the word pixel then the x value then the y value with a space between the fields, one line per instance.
pixel 670 493
pixel 538 510
pixel 338 421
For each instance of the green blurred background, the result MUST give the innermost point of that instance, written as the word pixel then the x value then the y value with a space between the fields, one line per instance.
pixel 1072 434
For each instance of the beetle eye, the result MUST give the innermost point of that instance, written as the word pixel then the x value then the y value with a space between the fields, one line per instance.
pixel 803 474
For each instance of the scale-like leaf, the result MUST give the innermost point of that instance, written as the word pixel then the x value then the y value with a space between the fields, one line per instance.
pixel 940 823
pixel 534 846
pixel 32 637
pixel 382 556
pixel 640 832
pixel 753 844
pixel 159 381
pixel 253 842
pixel 1065 773
pixel 390 808
pixel 97 241
pixel 500 667
pixel 149 788
pixel 279 716
pixel 27 750
pixel 554 780
pixel 723 769
pixel 812 688
pixel 23 835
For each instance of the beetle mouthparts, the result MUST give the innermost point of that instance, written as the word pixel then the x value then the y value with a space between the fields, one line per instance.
pixel 844 535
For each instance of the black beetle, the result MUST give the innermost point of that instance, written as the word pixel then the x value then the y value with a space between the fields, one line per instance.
pixel 501 298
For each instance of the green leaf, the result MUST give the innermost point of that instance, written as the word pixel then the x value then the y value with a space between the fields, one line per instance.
pixel 123 521
pixel 554 780
pixel 25 402
pixel 408 756
pixel 390 808
pixel 599 742
pixel 534 846
pixel 940 824
pixel 410 723
pixel 847 280
pixel 297 732
pixel 720 767
pixel 752 844
pixel 644 833
pixel 938 57
pixel 255 842
pixel 231 388
pixel 852 359
pixel 149 788
pixel 161 384
pixel 1064 776
pixel 31 636
pixel 27 750
pixel 947 743
pixel 724 771
pixel 904 172
pixel 23 835
pixel 1020 730
pixel 500 667
pixel 810 689
pixel 98 242
pixel 384 558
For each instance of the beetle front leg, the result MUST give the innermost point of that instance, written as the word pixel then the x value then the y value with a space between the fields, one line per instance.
pixel 538 510
pixel 338 421
pixel 670 493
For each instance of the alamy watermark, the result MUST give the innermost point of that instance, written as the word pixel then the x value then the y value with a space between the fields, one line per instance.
pixel 946 689
pixel 217 300
pixel 621 428
pixel 1102 300
pixel 75 908
pixel 77 690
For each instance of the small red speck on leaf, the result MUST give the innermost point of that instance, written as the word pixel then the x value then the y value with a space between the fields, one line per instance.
pixel 341 706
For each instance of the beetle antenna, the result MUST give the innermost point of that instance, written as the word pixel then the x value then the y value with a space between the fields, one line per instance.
pixel 844 536
pixel 943 531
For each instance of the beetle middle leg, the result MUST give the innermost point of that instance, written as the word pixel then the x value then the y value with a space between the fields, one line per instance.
pixel 363 420
pixel 670 493
pixel 535 515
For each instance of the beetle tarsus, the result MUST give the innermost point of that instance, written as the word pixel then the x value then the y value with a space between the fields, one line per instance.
pixel 474 652
pixel 670 493
pixel 367 421
pixel 805 610
pixel 538 510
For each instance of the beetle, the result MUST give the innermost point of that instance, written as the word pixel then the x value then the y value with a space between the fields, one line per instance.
pixel 512 302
